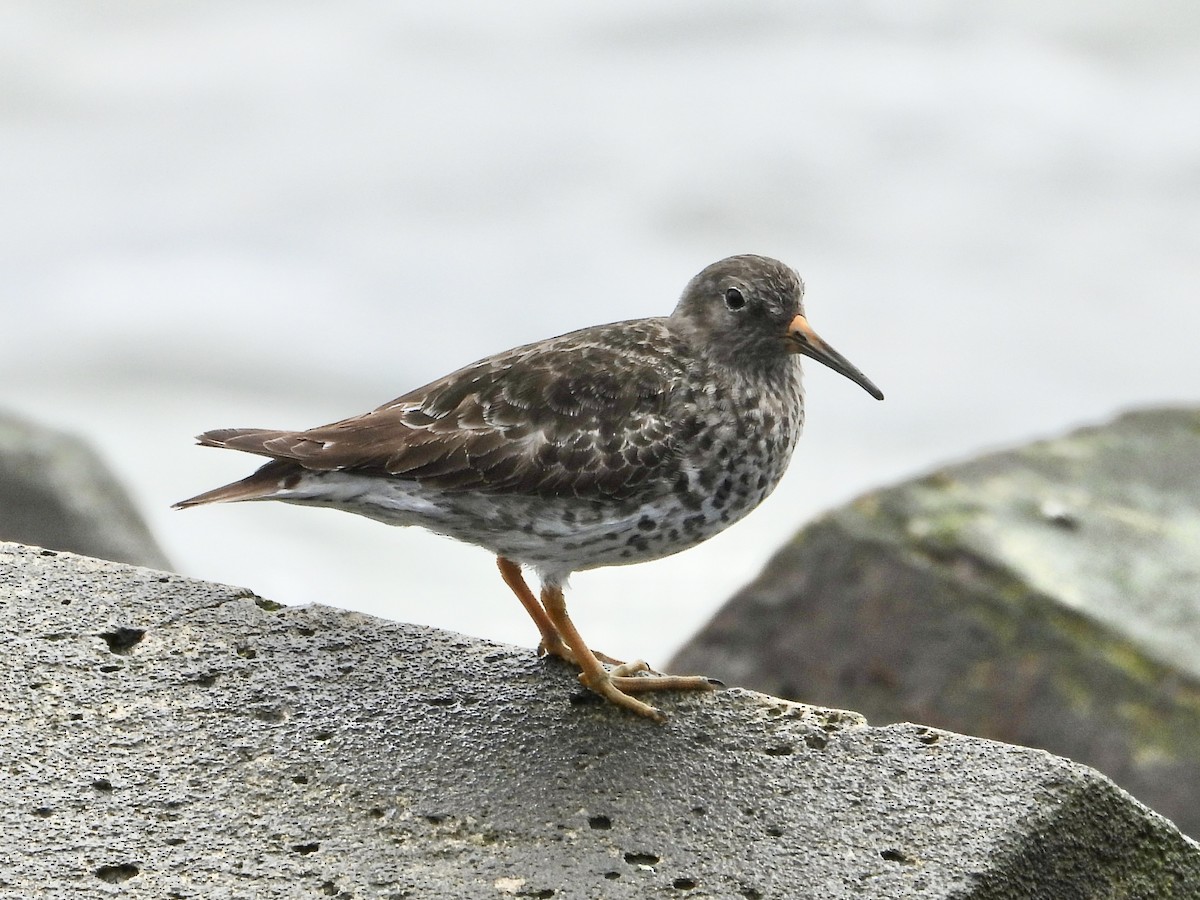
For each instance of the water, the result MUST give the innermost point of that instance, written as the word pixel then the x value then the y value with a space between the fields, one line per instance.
pixel 278 214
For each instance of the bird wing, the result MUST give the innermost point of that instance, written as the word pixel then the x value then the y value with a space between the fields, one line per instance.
pixel 589 414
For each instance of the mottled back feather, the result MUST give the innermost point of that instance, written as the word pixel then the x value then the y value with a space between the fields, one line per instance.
pixel 520 422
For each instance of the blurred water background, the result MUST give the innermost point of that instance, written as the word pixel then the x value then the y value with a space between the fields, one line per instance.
pixel 280 213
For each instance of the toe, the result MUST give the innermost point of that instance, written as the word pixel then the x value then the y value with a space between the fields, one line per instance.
pixel 625 670
pixel 642 683
pixel 609 691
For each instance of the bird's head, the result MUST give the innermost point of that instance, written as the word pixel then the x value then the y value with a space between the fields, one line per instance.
pixel 749 311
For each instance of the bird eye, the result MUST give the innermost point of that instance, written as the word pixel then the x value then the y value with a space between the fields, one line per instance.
pixel 734 299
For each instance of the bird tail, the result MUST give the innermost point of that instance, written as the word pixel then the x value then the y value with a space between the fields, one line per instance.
pixel 249 440
pixel 275 476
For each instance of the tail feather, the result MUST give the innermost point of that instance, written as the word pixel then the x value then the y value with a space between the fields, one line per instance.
pixel 250 440
pixel 263 484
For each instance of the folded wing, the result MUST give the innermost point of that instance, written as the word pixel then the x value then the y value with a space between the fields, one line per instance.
pixel 596 420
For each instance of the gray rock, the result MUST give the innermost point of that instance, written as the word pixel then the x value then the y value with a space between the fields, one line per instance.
pixel 162 737
pixel 1046 596
pixel 56 492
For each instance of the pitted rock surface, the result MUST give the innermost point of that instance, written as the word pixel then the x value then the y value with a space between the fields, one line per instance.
pixel 163 737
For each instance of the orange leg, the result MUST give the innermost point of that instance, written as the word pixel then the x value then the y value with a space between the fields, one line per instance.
pixel 552 642
pixel 614 687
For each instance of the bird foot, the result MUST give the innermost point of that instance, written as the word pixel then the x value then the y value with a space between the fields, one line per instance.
pixel 556 648
pixel 561 638
pixel 563 652
pixel 621 683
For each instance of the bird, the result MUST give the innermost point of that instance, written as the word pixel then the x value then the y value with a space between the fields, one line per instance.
pixel 610 445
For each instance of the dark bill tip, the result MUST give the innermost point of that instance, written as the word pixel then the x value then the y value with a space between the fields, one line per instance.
pixel 804 340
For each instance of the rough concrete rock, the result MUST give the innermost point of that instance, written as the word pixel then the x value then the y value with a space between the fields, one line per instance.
pixel 56 492
pixel 162 737
pixel 1046 596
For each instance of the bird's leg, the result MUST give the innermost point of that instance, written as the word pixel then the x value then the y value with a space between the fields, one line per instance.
pixel 552 642
pixel 616 685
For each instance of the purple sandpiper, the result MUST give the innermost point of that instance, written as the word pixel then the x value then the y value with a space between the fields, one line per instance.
pixel 606 446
